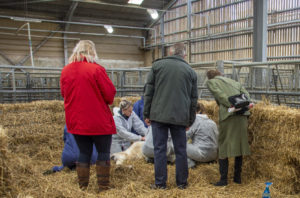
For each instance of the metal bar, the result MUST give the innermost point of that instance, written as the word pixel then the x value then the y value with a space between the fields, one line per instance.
pixel 60 68
pixel 53 37
pixel 179 32
pixel 6 58
pixel 260 30
pixel 14 85
pixel 218 7
pixel 30 45
pixel 174 19
pixel 189 27
pixel 27 2
pixel 69 16
pixel 80 33
pixel 223 50
pixel 79 23
pixel 282 88
pixel 162 37
pixel 243 19
pixel 116 5
pixel 238 64
pixel 36 49
pixel 275 93
pixel 275 83
pixel 1 95
pixel 30 91
pixel 297 72
pixel 224 34
pixel 167 7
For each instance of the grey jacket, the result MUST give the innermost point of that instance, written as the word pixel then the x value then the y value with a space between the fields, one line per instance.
pixel 148 147
pixel 171 92
pixel 204 132
pixel 124 134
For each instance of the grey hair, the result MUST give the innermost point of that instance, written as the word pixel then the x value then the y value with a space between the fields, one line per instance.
pixel 178 49
pixel 84 49
pixel 125 104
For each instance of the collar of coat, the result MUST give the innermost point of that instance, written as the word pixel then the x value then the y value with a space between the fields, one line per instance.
pixel 172 57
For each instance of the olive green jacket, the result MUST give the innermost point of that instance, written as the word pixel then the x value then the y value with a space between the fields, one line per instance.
pixel 171 92
pixel 222 88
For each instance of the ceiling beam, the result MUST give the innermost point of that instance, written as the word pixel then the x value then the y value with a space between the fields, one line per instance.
pixel 68 17
pixel 166 8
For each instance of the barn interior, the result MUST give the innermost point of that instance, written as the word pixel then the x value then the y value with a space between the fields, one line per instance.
pixel 255 42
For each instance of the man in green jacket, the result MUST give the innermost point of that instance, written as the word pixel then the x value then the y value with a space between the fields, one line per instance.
pixel 170 103
pixel 233 137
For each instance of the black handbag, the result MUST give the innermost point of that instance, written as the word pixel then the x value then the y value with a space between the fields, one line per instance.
pixel 239 101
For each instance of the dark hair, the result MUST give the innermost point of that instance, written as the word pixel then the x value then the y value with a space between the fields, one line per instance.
pixel 213 73
pixel 200 108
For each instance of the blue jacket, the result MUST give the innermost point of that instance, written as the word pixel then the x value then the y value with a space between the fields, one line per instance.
pixel 70 152
pixel 138 109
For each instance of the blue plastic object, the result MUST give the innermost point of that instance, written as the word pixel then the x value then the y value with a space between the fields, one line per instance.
pixel 266 193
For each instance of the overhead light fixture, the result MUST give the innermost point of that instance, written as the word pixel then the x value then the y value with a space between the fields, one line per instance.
pixel 136 2
pixel 153 13
pixel 109 28
pixel 26 19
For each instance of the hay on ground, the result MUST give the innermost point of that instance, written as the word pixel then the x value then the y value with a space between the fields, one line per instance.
pixel 34 144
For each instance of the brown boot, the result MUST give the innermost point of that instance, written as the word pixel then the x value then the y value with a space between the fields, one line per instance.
pixel 103 173
pixel 83 173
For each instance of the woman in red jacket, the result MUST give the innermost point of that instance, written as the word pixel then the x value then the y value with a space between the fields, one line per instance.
pixel 87 92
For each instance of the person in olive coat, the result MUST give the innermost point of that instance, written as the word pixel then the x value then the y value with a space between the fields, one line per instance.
pixel 233 137
pixel 170 103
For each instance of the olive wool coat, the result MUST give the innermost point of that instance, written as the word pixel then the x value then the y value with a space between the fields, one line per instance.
pixel 171 92
pixel 233 137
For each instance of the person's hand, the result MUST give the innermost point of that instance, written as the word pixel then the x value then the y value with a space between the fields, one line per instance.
pixel 147 121
pixel 143 139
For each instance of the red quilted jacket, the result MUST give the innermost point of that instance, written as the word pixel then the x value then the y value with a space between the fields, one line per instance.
pixel 87 91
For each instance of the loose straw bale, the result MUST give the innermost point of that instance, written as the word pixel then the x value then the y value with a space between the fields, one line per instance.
pixel 35 144
pixel 5 172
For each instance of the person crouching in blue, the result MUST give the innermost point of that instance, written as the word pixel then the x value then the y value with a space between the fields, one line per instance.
pixel 70 153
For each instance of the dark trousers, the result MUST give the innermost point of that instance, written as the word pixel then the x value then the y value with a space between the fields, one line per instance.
pixel 85 145
pixel 160 137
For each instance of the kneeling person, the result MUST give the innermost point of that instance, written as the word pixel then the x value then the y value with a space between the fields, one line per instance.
pixel 204 139
pixel 126 120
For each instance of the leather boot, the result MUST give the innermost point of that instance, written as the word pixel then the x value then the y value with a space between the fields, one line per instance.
pixel 83 173
pixel 223 168
pixel 103 174
pixel 238 161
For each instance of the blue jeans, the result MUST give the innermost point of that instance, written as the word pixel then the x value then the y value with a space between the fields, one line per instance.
pixel 160 137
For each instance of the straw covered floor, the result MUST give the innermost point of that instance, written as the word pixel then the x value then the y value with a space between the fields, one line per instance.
pixel 31 143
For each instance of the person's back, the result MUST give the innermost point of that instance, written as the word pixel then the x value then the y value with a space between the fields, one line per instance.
pixel 204 136
pixel 83 94
pixel 174 80
pixel 170 104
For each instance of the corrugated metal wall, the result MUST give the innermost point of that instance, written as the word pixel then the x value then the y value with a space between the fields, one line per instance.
pixel 222 29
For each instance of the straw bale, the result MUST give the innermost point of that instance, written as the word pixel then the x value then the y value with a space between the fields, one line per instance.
pixel 34 144
pixel 5 172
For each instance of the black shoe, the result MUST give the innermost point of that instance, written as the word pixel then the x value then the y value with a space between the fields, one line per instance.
pixel 182 186
pixel 157 187
pixel 237 180
pixel 221 183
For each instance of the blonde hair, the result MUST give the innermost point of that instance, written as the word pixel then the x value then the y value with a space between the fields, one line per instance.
pixel 125 104
pixel 84 49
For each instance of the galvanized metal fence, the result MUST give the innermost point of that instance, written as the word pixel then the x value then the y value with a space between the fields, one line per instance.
pixel 279 81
